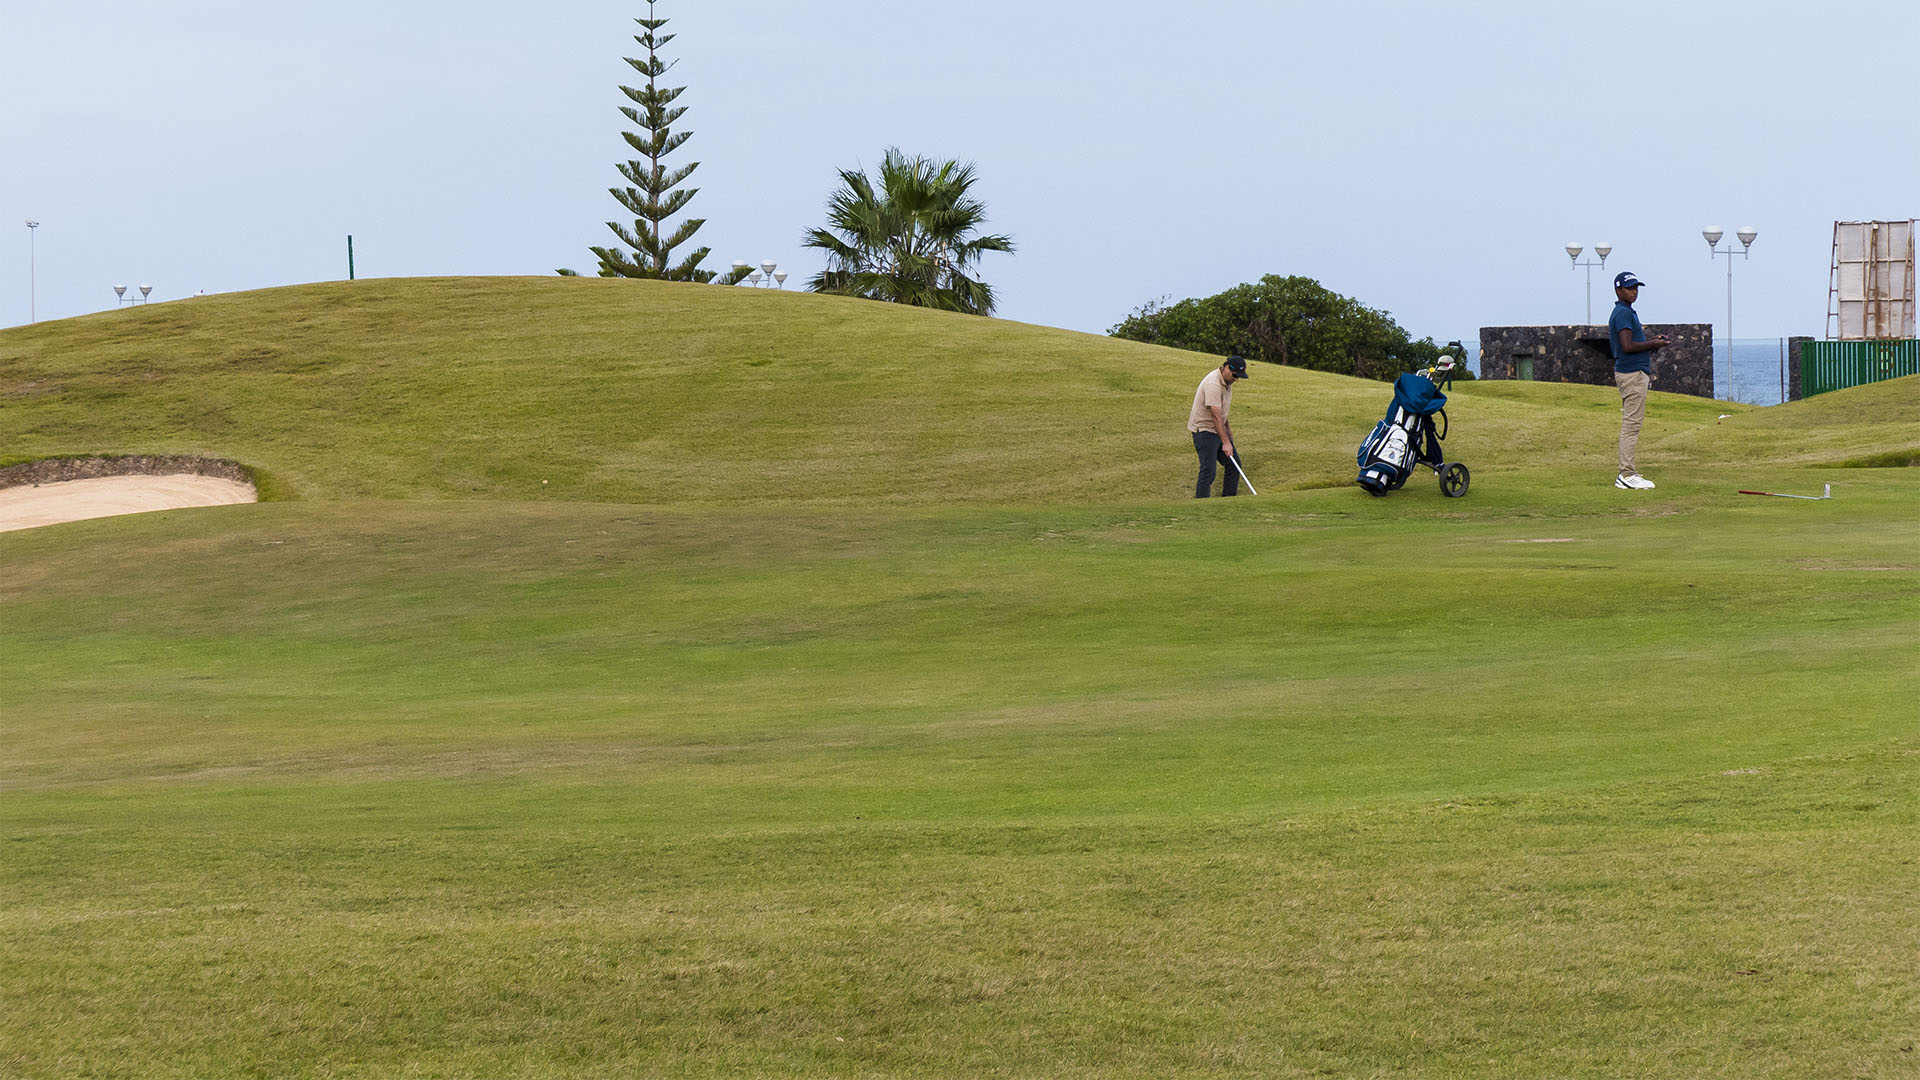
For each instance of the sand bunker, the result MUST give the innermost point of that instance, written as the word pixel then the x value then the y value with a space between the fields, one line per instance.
pixel 31 505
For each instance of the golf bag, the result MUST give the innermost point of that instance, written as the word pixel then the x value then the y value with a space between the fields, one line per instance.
pixel 1408 436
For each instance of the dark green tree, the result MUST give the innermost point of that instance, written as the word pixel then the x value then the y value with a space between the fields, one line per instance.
pixel 1290 320
pixel 654 195
pixel 910 239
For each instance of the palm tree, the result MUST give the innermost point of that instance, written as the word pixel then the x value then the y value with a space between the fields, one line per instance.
pixel 911 241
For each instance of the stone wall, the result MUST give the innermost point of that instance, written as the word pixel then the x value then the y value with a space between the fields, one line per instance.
pixel 1793 366
pixel 1579 354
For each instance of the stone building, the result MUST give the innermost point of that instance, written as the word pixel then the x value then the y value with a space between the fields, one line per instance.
pixel 1579 354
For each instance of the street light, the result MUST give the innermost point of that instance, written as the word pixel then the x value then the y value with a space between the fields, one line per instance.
pixel 32 272
pixel 1713 233
pixel 1602 249
pixel 774 278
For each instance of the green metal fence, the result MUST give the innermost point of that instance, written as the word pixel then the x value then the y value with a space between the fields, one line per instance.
pixel 1836 365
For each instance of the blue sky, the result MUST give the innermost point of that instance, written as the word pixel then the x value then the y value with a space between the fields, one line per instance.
pixel 1431 160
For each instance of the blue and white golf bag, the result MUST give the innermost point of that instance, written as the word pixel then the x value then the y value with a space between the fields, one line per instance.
pixel 1408 437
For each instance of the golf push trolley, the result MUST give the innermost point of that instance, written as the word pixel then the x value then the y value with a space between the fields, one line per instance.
pixel 1409 436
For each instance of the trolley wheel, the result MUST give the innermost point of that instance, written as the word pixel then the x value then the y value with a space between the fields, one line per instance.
pixel 1454 479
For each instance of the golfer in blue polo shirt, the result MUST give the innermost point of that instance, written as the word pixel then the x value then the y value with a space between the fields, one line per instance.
pixel 1633 373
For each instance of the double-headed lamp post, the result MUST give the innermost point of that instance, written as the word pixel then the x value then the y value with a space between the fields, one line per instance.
pixel 1602 249
pixel 1713 233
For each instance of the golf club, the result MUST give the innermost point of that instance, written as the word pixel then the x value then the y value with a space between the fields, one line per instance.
pixel 1827 494
pixel 1235 458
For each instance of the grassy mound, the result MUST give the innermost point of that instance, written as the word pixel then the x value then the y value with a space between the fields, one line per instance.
pixel 647 392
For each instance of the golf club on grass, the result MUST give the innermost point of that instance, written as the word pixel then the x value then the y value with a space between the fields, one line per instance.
pixel 1235 458
pixel 1828 494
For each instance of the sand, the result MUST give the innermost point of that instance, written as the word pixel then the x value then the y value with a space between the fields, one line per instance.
pixel 30 506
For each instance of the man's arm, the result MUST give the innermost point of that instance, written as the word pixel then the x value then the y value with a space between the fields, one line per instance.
pixel 1628 345
pixel 1226 433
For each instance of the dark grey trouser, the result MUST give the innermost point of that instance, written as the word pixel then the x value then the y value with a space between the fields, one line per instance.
pixel 1207 445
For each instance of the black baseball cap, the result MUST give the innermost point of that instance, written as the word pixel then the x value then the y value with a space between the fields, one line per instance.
pixel 1238 366
pixel 1626 280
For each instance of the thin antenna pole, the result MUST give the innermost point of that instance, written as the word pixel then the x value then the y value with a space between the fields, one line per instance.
pixel 33 274
pixel 349 256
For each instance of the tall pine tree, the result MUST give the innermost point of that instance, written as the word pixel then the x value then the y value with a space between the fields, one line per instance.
pixel 654 196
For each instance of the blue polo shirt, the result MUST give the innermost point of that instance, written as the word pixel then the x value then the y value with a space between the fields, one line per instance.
pixel 1625 318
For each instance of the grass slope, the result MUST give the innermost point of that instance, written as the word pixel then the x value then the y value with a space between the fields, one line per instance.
pixel 649 392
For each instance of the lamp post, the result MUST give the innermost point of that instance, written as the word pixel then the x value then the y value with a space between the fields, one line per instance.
pixel 32 273
pixel 1602 249
pixel 774 278
pixel 1712 234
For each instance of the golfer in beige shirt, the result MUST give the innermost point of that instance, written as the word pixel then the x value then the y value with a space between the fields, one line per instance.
pixel 1212 435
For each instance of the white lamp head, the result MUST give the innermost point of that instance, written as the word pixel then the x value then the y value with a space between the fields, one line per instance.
pixel 780 277
pixel 120 290
pixel 1746 235
pixel 1603 249
pixel 1574 250
pixel 145 289
pixel 768 266
pixel 31 224
pixel 755 277
pixel 1713 233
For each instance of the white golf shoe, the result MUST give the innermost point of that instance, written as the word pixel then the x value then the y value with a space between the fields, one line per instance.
pixel 1635 482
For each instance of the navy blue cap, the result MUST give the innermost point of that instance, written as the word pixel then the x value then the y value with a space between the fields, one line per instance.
pixel 1626 280
pixel 1238 366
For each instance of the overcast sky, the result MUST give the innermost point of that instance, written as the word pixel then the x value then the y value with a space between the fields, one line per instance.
pixel 1429 159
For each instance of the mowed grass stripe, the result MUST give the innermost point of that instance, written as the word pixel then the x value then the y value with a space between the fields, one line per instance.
pixel 1756 924
pixel 754 668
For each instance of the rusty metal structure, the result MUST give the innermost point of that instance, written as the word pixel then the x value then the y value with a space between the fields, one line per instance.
pixel 1870 287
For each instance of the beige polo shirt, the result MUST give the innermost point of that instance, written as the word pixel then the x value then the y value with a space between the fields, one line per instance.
pixel 1212 392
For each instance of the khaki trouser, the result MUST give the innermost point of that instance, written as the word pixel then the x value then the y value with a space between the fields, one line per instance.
pixel 1633 408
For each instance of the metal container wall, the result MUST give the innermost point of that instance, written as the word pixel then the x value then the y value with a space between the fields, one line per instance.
pixel 1836 365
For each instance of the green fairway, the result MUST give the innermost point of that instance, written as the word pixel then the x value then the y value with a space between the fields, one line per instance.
pixel 891 756
pixel 598 791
